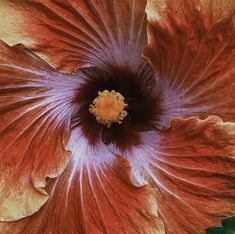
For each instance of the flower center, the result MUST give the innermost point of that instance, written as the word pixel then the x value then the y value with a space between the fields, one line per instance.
pixel 108 108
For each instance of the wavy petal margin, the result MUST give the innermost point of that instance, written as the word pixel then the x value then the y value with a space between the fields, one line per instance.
pixel 36 104
pixel 194 170
pixel 191 46
pixel 94 195
pixel 73 34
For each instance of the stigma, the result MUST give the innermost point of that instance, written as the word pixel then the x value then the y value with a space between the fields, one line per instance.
pixel 108 107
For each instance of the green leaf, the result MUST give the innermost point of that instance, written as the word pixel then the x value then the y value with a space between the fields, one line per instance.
pixel 229 222
pixel 227 228
pixel 215 230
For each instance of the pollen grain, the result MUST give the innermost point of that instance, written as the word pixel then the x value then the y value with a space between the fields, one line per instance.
pixel 108 107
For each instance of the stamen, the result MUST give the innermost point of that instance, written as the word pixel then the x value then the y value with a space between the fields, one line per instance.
pixel 109 107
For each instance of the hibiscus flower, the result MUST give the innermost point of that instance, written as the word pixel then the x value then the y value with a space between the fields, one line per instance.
pixel 116 116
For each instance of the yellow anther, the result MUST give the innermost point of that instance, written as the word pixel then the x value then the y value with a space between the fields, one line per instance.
pixel 109 107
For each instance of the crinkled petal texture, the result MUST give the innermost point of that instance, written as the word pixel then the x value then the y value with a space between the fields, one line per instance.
pixel 194 170
pixel 191 162
pixel 72 34
pixel 191 45
pixel 93 197
pixel 35 113
pixel 95 194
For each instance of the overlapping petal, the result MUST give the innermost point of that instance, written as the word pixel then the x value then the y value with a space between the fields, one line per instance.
pixel 36 104
pixel 194 170
pixel 191 46
pixel 73 34
pixel 95 194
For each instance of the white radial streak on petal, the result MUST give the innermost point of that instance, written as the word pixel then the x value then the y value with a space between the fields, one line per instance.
pixel 177 177
pixel 180 84
pixel 212 85
pixel 80 29
pixel 88 168
pixel 44 113
pixel 107 197
pixel 193 84
pixel 159 183
pixel 81 192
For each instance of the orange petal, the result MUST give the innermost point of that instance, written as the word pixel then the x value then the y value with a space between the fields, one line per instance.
pixel 92 197
pixel 72 34
pixel 194 170
pixel 35 112
pixel 191 46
